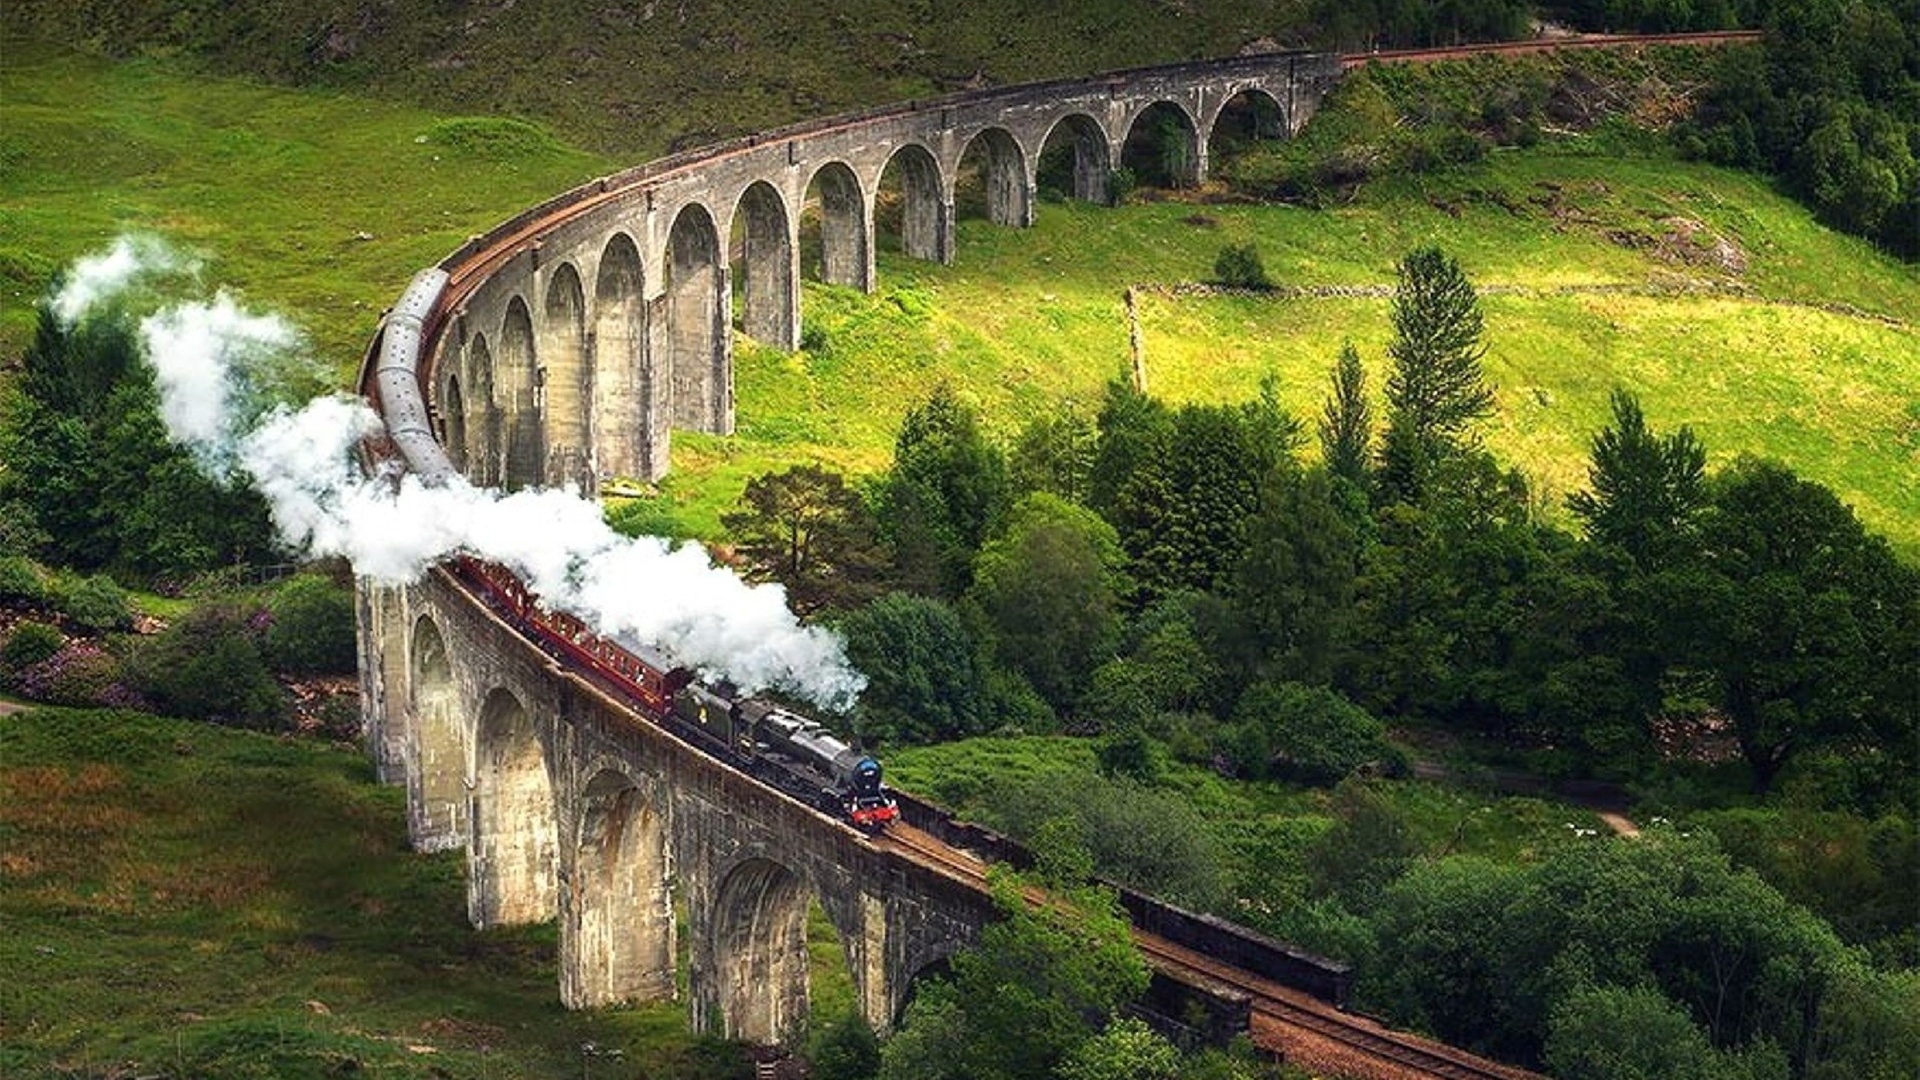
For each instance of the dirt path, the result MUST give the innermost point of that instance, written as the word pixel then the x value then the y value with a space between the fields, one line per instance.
pixel 12 707
pixel 1606 801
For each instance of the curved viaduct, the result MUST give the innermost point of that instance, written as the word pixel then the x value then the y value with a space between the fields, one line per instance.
pixel 576 337
pixel 567 345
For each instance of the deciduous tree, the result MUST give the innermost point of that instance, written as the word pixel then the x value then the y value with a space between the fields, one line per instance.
pixel 807 529
pixel 1050 588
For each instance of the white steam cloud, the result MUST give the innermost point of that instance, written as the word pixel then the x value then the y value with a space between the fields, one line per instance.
pixel 209 357
pixel 96 277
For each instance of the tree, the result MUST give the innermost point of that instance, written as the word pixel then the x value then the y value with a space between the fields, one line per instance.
pixel 1039 984
pixel 90 467
pixel 1183 509
pixel 944 496
pixel 808 530
pixel 1050 589
pixel 1294 587
pixel 924 682
pixel 1435 390
pixel 1808 621
pixel 1648 491
pixel 1621 1033
pixel 1346 421
pixel 1056 453
pixel 1133 428
pixel 1127 1050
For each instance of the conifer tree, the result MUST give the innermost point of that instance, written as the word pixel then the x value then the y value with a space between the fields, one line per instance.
pixel 1435 391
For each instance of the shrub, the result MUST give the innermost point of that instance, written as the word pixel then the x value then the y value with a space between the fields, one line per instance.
pixel 1305 733
pixel 20 580
pixel 30 643
pixel 1238 266
pixel 20 531
pixel 81 673
pixel 311 631
pixel 209 666
pixel 814 340
pixel 97 602
pixel 1121 183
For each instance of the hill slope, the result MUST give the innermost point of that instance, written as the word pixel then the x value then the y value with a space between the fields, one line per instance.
pixel 1723 303
pixel 640 77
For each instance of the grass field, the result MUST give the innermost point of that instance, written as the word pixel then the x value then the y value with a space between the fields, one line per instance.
pixel 1808 352
pixel 160 920
pixel 1788 340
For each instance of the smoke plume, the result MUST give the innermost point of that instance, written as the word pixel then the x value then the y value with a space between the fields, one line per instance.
pixel 210 358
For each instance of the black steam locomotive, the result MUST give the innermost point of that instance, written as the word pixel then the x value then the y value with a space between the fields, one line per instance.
pixel 789 751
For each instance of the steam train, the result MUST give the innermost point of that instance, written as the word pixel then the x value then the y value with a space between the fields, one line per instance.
pixel 789 751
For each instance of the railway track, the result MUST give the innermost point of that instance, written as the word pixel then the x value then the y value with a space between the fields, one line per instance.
pixel 1350 61
pixel 1293 1025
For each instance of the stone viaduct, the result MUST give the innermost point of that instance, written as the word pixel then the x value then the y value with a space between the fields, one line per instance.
pixel 568 343
pixel 580 334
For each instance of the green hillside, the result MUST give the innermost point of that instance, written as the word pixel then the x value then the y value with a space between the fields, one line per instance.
pixel 1598 272
pixel 640 78
pixel 160 922
pixel 1786 339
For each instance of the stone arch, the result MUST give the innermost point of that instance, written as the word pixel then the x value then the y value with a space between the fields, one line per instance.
pixel 437 790
pixel 618 941
pixel 1248 117
pixel 627 404
pixel 510 860
pixel 835 232
pixel 918 215
pixel 698 366
pixel 518 392
pixel 483 434
pixel 759 928
pixel 453 421
pixel 764 269
pixel 995 166
pixel 565 381
pixel 1162 147
pixel 1075 160
pixel 940 966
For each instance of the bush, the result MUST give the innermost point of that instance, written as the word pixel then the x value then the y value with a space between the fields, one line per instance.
pixel 209 666
pixel 312 630
pixel 20 580
pixel 97 602
pixel 20 531
pixel 79 674
pixel 844 1050
pixel 1305 733
pixel 30 643
pixel 1238 267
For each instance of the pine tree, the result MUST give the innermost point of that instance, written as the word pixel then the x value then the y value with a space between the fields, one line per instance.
pixel 1346 423
pixel 1435 391
pixel 1648 490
